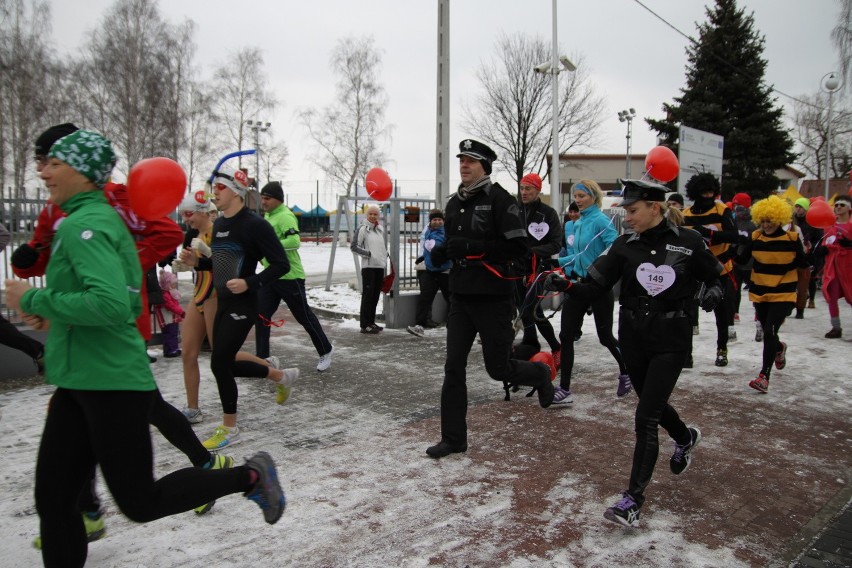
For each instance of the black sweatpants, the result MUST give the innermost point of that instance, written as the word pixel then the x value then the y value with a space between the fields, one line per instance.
pixel 110 428
pixel 292 292
pixel 371 291
pixel 573 313
pixel 235 316
pixel 491 317
pixel 771 315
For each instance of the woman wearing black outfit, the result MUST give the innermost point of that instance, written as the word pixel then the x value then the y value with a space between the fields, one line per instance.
pixel 661 268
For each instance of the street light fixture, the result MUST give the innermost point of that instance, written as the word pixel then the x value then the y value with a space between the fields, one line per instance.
pixel 627 116
pixel 830 83
pixel 554 67
pixel 257 127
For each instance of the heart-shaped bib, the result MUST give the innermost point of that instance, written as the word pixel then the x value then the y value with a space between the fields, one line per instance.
pixel 429 244
pixel 655 279
pixel 538 230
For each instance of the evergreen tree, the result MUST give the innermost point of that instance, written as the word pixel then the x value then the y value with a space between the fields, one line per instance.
pixel 725 94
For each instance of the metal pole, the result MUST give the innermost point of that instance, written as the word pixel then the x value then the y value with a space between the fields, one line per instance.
pixel 257 158
pixel 828 147
pixel 555 190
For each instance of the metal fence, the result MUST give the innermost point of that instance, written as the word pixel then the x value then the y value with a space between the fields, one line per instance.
pixel 19 216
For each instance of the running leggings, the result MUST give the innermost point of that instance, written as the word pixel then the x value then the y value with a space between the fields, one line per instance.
pixel 235 316
pixel 110 428
pixel 573 313
pixel 771 315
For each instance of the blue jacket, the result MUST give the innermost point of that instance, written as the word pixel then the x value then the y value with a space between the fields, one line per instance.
pixel 439 238
pixel 593 233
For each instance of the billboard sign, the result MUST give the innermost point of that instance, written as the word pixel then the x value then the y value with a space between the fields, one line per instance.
pixel 698 151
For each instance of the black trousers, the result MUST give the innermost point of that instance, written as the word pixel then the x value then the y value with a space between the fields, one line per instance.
pixel 724 310
pixel 573 313
pixel 654 376
pixel 771 315
pixel 430 283
pixel 292 292
pixel 235 317
pixel 491 317
pixel 742 275
pixel 12 337
pixel 110 428
pixel 371 291
pixel 532 316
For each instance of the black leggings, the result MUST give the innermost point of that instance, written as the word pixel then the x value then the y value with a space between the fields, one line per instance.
pixel 771 315
pixel 110 428
pixel 573 313
pixel 234 319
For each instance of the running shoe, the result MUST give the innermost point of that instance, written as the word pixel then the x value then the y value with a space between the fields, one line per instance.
pixel 682 455
pixel 732 333
pixel 267 492
pixel 625 512
pixel 95 528
pixel 781 356
pixel 218 462
pixel 416 330
pixel 193 415
pixel 758 332
pixel 273 361
pixel 721 357
pixel 624 386
pixel 222 438
pixel 325 361
pixel 282 387
pixel 562 396
pixel 760 384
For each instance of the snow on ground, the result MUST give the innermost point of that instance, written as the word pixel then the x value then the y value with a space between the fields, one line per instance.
pixel 350 447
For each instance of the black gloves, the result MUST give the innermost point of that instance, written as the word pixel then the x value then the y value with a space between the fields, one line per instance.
pixel 25 256
pixel 439 255
pixel 461 247
pixel 556 283
pixel 419 259
pixel 710 298
pixel 703 231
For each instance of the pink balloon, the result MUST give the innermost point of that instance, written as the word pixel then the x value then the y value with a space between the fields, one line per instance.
pixel 379 184
pixel 661 164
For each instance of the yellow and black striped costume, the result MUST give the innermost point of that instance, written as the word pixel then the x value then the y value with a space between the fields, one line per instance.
pixel 712 219
pixel 774 277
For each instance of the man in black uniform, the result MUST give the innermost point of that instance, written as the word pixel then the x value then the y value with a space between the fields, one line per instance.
pixel 484 236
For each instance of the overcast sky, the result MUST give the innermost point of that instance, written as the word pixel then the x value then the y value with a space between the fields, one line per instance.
pixel 632 57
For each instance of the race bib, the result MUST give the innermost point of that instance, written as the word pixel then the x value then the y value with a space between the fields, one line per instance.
pixel 831 240
pixel 655 279
pixel 570 240
pixel 429 244
pixel 538 230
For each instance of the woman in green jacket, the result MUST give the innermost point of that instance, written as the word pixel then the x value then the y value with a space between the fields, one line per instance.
pixel 99 413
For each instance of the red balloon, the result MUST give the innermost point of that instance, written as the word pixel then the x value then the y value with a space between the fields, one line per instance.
pixel 155 186
pixel 820 215
pixel 379 184
pixel 661 164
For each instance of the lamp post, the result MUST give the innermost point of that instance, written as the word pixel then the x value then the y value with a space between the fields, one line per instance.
pixel 257 127
pixel 554 67
pixel 627 116
pixel 830 84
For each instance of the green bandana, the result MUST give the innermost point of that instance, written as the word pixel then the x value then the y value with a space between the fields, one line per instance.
pixel 87 152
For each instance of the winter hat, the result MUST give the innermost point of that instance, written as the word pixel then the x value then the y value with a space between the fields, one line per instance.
pixel 477 151
pixel 803 202
pixel 742 199
pixel 235 180
pixel 699 183
pixel 87 152
pixel 167 279
pixel 533 180
pixel 772 208
pixel 436 214
pixel 274 190
pixel 51 135
pixel 197 202
pixel 676 197
pixel 573 207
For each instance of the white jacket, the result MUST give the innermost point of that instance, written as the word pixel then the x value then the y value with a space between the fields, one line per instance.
pixel 369 242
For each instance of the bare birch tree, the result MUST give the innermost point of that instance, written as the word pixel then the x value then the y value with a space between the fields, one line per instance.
pixel 809 116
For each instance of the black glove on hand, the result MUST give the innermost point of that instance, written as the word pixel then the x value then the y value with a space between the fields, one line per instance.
pixel 439 255
pixel 25 256
pixel 461 247
pixel 703 231
pixel 556 283
pixel 710 298
pixel 419 259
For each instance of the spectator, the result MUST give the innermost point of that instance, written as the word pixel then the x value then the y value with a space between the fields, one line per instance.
pixel 433 277
pixel 369 243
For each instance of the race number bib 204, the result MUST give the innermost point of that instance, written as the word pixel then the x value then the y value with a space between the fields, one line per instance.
pixel 655 279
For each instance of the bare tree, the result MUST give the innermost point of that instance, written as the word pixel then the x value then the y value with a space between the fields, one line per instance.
pixel 349 133
pixel 809 116
pixel 514 113
pixel 842 36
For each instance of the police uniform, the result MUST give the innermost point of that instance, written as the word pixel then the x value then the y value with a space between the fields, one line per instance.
pixel 661 270
pixel 484 237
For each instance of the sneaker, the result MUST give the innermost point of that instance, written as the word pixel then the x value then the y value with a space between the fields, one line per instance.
pixel 781 356
pixel 682 455
pixel 695 330
pixel 760 384
pixel 416 330
pixel 721 357
pixel 562 396
pixel 172 355
pixel 624 386
pixel 95 528
pixel 834 333
pixel 736 318
pixel 267 492
pixel 443 449
pixel 222 437
pixel 282 387
pixel 372 329
pixel 193 415
pixel 218 462
pixel 625 512
pixel 758 332
pixel 732 333
pixel 325 361
pixel 811 304
pixel 273 361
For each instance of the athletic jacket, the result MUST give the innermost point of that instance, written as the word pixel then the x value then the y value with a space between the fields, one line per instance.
pixel 593 233
pixel 286 228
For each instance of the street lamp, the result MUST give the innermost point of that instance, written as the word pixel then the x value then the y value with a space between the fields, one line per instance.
pixel 257 127
pixel 627 116
pixel 554 67
pixel 830 84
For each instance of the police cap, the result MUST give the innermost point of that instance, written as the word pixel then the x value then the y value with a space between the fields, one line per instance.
pixel 639 190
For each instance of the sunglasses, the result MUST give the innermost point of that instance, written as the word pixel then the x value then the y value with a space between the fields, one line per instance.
pixel 841 204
